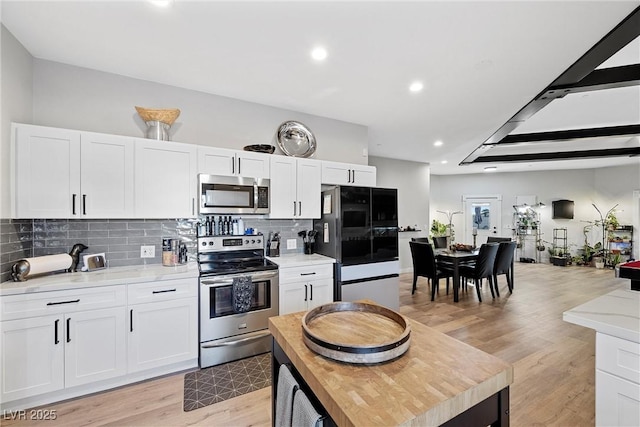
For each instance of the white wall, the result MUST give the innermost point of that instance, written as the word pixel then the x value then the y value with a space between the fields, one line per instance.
pixel 605 187
pixel 78 98
pixel 16 75
pixel 412 181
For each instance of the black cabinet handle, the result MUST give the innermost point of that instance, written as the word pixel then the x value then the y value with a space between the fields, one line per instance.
pixel 311 293
pixel 300 208
pixel 233 165
pixel 353 176
pixel 163 291
pixel 55 328
pixel 68 329
pixel 84 204
pixel 294 208
pixel 239 165
pixel 64 302
pixel 307 274
pixel 305 292
pixel 131 320
pixel 73 204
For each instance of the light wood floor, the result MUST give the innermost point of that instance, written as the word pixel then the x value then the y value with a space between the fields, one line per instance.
pixel 553 360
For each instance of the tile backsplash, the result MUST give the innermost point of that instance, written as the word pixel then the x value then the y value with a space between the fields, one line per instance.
pixel 119 239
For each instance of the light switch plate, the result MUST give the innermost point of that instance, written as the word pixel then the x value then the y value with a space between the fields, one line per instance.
pixel 292 243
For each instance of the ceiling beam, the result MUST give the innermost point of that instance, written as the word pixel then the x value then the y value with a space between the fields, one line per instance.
pixel 606 78
pixel 568 135
pixel 560 155
pixel 623 34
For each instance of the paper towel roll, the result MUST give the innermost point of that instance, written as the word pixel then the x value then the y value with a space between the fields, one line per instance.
pixel 48 263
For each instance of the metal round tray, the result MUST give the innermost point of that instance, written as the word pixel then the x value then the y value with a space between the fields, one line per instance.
pixel 356 332
pixel 296 140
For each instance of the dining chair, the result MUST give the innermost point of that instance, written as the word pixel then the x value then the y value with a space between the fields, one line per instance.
pixel 424 264
pixel 482 268
pixel 496 239
pixel 504 264
pixel 440 242
pixel 420 239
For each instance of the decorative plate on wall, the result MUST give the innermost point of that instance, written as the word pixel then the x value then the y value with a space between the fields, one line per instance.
pixel 296 140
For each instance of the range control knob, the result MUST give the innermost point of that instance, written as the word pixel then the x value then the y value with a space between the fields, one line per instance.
pixel 258 240
pixel 253 241
pixel 204 243
pixel 211 243
pixel 246 242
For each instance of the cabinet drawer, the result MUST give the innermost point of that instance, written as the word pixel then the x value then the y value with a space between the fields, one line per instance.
pixel 161 291
pixel 617 401
pixel 45 303
pixel 618 357
pixel 309 272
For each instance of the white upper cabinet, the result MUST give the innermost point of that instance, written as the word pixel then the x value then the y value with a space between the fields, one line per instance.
pixel 221 161
pixel 295 188
pixel 348 174
pixel 165 179
pixel 63 173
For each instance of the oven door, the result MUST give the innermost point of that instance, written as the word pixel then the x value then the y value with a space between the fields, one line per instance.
pixel 233 195
pixel 217 316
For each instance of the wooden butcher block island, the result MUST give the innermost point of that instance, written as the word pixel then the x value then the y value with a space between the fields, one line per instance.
pixel 439 380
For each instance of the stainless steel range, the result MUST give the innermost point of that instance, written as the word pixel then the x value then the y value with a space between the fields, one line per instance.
pixel 238 294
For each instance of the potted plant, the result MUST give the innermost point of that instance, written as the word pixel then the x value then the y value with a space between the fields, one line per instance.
pixel 438 229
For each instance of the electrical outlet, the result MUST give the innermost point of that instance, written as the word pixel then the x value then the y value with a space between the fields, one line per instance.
pixel 147 251
pixel 292 243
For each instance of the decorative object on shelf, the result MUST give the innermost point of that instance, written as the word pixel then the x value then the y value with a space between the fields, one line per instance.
pixel 260 148
pixel 158 121
pixel 76 250
pixel 356 332
pixel 295 139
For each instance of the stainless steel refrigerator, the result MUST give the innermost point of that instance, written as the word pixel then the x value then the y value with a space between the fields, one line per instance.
pixel 359 228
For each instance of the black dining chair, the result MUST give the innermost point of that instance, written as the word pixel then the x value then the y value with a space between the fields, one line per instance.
pixel 496 239
pixel 504 264
pixel 424 264
pixel 420 239
pixel 482 268
pixel 440 242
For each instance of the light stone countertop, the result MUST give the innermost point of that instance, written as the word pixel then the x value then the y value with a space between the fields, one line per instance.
pixel 298 260
pixel 106 277
pixel 616 313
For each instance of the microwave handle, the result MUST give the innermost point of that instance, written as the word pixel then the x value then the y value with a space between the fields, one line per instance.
pixel 255 194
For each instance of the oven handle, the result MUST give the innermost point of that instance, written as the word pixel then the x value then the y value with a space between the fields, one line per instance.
pixel 227 280
pixel 253 337
pixel 255 195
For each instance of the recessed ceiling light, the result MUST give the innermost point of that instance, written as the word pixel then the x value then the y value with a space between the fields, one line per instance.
pixel 161 3
pixel 444 162
pixel 319 54
pixel 490 169
pixel 437 144
pixel 416 87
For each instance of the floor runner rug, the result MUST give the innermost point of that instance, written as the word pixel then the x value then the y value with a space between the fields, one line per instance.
pixel 212 385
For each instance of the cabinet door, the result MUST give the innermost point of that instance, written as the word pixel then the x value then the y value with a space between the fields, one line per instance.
pixel 617 401
pixel 47 174
pixel 106 176
pixel 216 161
pixel 348 174
pixel 363 175
pixel 95 345
pixel 320 292
pixel 31 357
pixel 308 188
pixel 253 165
pixel 165 179
pixel 293 297
pixel 162 333
pixel 283 188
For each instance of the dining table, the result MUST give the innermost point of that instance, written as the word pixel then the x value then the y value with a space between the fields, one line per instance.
pixel 453 259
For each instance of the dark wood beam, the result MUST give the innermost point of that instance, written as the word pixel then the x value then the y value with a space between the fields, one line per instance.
pixel 569 135
pixel 560 155
pixel 606 78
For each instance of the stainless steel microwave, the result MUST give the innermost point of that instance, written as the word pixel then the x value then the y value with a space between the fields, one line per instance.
pixel 233 195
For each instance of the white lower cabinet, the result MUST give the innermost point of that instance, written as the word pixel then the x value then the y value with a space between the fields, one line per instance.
pixel 305 287
pixel 617 381
pixel 68 347
pixel 60 344
pixel 32 357
pixel 164 329
pixel 95 346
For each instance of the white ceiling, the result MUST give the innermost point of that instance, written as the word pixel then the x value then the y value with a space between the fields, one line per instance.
pixel 480 62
